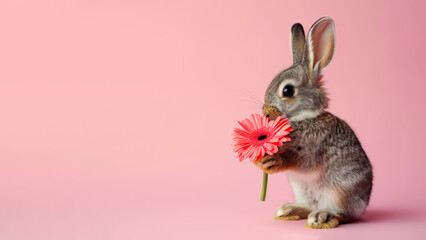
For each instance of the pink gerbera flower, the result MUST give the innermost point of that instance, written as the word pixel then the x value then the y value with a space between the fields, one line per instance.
pixel 259 136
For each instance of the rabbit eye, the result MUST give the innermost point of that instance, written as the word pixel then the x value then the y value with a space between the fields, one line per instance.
pixel 288 91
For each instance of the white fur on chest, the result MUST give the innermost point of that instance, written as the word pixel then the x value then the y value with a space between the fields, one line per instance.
pixel 310 193
pixel 310 177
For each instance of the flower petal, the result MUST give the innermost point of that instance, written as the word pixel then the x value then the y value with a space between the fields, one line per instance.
pixel 240 132
pixel 248 151
pixel 251 155
pixel 256 120
pixel 262 152
pixel 256 152
pixel 245 125
pixel 241 147
pixel 241 140
pixel 275 149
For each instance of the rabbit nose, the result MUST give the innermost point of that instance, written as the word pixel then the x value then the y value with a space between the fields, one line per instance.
pixel 271 112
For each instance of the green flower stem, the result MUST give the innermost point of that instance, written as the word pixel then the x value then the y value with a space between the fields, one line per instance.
pixel 264 186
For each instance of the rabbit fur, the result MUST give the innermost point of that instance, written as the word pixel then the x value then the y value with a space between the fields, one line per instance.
pixel 329 172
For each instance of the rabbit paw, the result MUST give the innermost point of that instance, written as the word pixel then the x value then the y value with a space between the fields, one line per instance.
pixel 269 164
pixel 321 220
pixel 290 211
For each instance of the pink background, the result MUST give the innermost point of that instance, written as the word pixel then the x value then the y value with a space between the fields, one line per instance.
pixel 116 116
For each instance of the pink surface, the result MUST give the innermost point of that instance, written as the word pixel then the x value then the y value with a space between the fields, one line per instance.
pixel 116 116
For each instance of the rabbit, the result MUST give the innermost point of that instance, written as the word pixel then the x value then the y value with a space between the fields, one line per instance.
pixel 328 170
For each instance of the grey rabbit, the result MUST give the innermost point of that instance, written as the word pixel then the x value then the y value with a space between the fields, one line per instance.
pixel 328 170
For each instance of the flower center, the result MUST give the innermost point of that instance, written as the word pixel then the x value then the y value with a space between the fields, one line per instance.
pixel 261 137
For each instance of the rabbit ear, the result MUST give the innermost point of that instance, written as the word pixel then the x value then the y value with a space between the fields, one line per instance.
pixel 321 42
pixel 298 43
